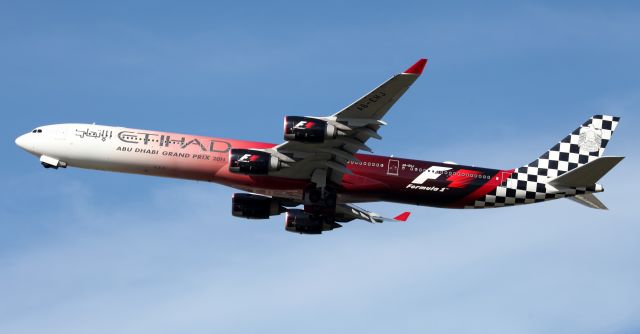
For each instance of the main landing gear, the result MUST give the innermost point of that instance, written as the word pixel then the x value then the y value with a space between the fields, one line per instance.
pixel 319 212
pixel 325 197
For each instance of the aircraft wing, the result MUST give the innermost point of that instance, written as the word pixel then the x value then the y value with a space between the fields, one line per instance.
pixel 350 212
pixel 355 124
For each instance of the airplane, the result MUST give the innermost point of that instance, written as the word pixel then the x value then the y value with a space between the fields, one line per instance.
pixel 319 165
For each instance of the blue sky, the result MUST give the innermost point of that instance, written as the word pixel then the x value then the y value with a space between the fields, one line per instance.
pixel 84 251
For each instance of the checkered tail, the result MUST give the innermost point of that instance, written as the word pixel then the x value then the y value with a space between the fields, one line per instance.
pixel 529 184
pixel 583 145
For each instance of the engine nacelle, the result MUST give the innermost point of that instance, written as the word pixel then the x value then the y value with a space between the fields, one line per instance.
pixel 254 206
pixel 252 162
pixel 299 221
pixel 308 130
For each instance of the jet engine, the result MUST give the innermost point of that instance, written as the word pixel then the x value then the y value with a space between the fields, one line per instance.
pixel 252 162
pixel 308 130
pixel 299 221
pixel 254 206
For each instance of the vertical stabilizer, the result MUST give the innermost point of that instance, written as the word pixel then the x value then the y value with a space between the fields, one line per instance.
pixel 537 181
pixel 583 145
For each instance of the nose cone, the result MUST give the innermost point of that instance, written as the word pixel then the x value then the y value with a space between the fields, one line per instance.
pixel 25 142
pixel 22 142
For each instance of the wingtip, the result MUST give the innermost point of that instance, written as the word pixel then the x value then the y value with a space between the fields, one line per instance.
pixel 403 216
pixel 416 68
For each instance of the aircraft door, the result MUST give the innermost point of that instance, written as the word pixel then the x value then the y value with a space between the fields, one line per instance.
pixel 393 167
pixel 505 181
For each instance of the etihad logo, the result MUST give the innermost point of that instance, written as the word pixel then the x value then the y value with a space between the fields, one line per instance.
pixel 156 139
pixel 103 134
pixel 165 140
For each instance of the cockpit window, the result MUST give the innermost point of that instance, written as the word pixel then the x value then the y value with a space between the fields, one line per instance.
pixel 37 131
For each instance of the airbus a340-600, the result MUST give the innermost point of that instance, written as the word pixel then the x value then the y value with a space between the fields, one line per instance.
pixel 319 168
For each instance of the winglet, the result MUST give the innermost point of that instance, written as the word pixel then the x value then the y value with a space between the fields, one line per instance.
pixel 402 217
pixel 416 68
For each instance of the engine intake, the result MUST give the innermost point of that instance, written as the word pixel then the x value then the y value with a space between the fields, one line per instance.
pixel 299 221
pixel 252 162
pixel 308 130
pixel 254 206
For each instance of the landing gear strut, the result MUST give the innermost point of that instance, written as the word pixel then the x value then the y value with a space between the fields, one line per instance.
pixel 320 201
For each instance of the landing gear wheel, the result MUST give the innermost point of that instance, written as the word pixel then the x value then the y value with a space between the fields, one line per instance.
pixel 330 197
pixel 315 195
pixel 325 197
pixel 320 202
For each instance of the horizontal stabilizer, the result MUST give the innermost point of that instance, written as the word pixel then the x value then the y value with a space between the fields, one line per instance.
pixel 589 200
pixel 587 174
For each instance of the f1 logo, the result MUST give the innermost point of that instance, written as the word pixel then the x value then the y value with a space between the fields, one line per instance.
pixel 430 174
pixel 304 125
pixel 248 157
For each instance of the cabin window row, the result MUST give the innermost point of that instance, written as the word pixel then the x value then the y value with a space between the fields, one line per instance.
pixel 475 176
pixel 367 163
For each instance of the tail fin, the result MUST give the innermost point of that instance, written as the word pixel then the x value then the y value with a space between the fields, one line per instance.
pixel 583 145
pixel 570 168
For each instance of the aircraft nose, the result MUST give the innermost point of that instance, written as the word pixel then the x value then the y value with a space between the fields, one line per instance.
pixel 22 142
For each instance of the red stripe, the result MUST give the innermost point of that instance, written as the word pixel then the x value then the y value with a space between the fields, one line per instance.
pixel 462 178
pixel 486 188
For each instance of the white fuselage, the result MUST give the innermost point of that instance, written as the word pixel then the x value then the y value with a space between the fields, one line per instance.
pixel 147 152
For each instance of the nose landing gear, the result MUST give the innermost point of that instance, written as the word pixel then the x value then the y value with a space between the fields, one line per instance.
pixel 49 162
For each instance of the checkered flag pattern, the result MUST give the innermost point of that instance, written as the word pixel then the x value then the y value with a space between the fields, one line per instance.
pixel 528 184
